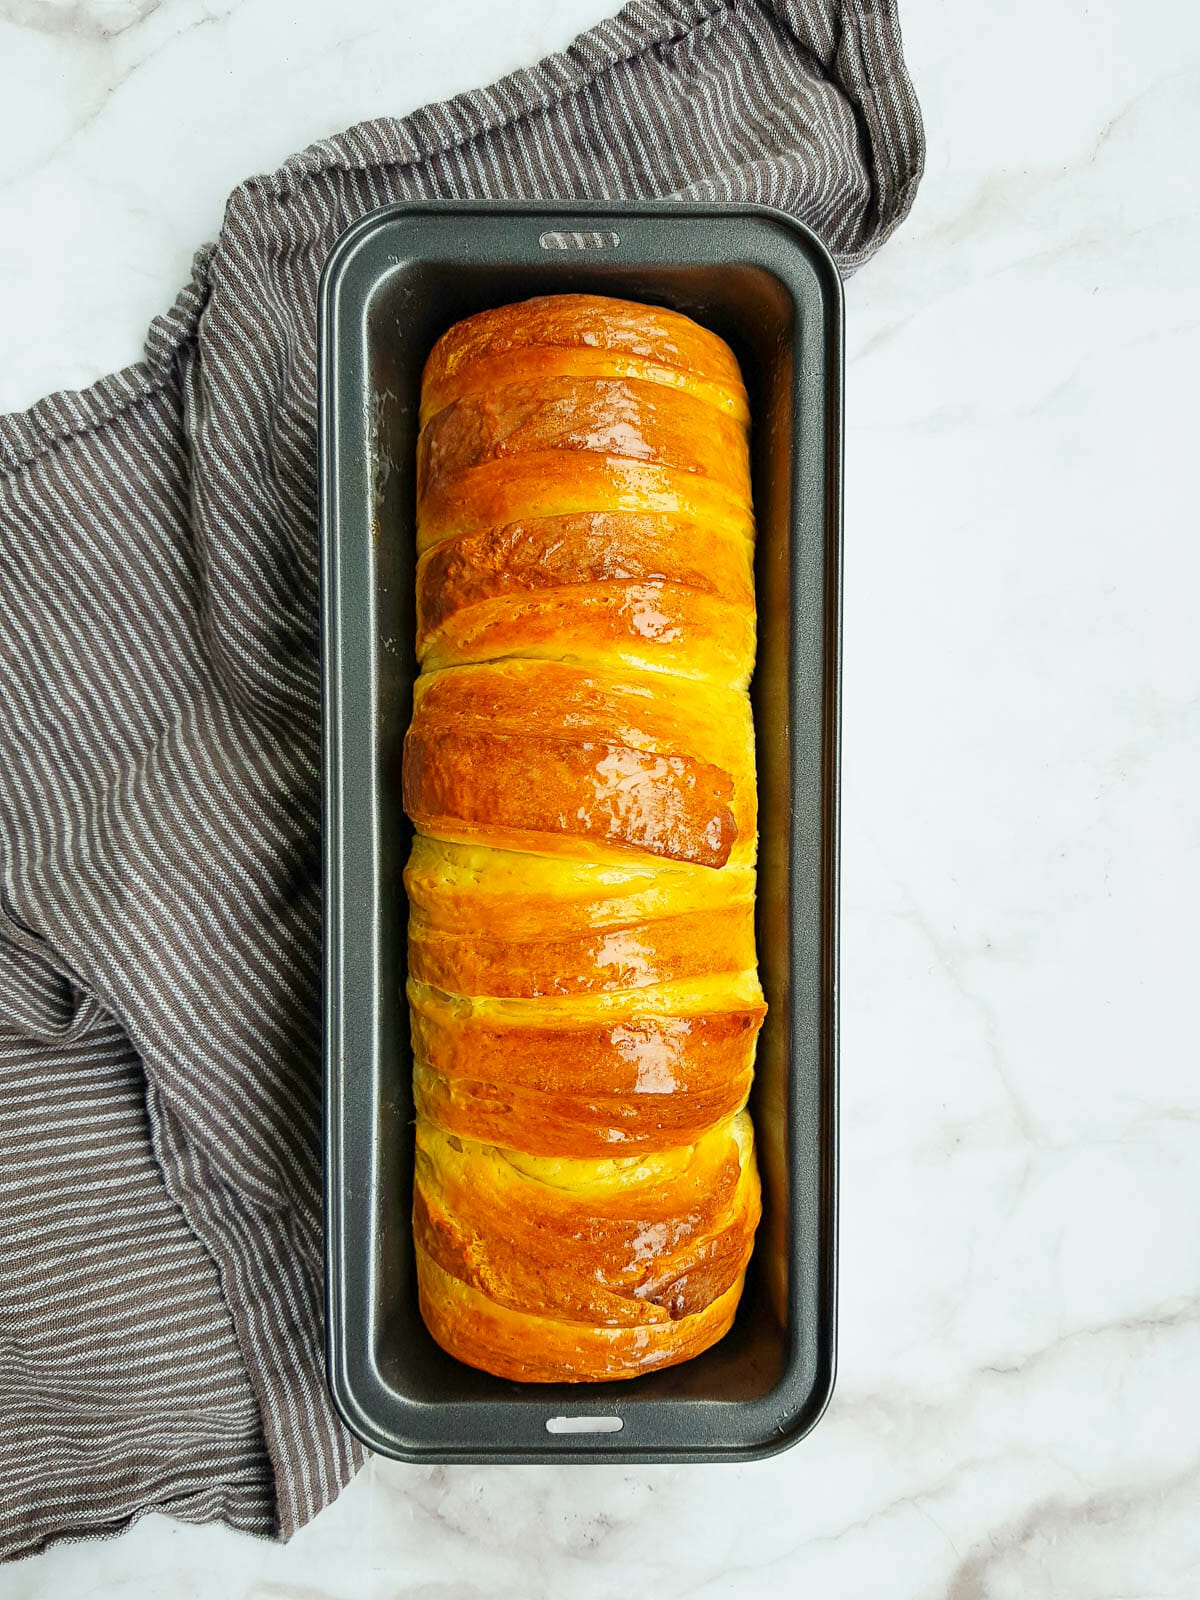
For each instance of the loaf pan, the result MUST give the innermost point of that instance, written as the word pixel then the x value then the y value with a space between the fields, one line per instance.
pixel 394 282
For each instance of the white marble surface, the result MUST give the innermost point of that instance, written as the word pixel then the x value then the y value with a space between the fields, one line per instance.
pixel 1018 1403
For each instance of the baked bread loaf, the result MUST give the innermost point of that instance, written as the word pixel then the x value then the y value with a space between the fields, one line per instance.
pixel 580 772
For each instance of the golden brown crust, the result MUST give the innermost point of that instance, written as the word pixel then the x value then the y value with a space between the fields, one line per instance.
pixel 542 755
pixel 610 417
pixel 670 1058
pixel 555 1080
pixel 576 1125
pixel 585 334
pixel 499 1225
pixel 535 1349
pixel 652 627
pixel 542 792
pixel 610 958
pixel 580 770
pixel 571 482
pixel 546 552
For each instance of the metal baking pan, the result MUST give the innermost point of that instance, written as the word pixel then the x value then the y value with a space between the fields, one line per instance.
pixel 394 282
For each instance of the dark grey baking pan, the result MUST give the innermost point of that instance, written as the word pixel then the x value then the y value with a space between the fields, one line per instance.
pixel 394 282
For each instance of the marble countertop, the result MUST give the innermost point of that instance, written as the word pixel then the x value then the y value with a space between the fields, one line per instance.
pixel 1020 1316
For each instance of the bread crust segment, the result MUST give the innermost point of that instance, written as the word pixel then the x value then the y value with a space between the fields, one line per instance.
pixel 579 768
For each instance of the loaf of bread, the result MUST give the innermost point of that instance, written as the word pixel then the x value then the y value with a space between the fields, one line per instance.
pixel 580 773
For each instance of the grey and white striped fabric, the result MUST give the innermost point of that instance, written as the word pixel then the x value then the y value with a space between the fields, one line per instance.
pixel 160 1226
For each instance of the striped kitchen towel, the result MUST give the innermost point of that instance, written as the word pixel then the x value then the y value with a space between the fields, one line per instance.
pixel 160 922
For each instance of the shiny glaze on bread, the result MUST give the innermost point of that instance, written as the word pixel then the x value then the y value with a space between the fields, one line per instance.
pixel 580 772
